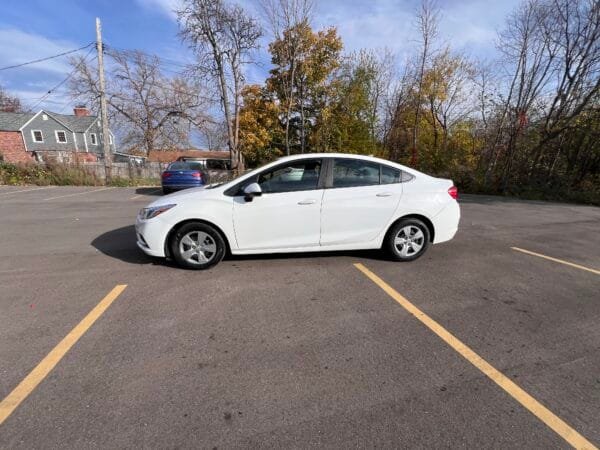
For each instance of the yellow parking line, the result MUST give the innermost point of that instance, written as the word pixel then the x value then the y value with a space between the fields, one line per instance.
pixel 560 261
pixel 535 407
pixel 80 193
pixel 37 375
pixel 27 190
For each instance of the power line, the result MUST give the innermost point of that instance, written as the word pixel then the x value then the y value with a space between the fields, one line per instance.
pixel 47 58
pixel 47 94
pixel 128 52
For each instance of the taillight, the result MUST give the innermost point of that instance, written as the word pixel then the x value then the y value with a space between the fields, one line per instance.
pixel 197 175
pixel 166 175
pixel 453 192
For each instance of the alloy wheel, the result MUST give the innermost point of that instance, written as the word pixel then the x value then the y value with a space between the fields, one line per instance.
pixel 197 247
pixel 409 241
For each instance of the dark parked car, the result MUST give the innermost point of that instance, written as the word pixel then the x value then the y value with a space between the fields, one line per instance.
pixel 183 175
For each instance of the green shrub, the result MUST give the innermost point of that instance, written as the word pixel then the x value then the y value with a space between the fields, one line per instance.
pixel 49 174
pixel 61 175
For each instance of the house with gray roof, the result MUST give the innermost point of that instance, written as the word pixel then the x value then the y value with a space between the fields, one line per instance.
pixel 47 135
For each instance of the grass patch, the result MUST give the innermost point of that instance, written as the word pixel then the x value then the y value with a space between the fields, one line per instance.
pixel 126 182
pixel 62 175
pixel 44 175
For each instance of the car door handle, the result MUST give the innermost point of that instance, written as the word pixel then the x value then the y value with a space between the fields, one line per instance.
pixel 307 202
pixel 384 194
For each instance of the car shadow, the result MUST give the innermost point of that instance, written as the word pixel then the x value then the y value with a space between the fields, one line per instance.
pixel 153 191
pixel 121 244
pixel 363 254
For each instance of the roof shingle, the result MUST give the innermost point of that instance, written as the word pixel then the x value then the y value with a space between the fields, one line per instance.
pixel 14 121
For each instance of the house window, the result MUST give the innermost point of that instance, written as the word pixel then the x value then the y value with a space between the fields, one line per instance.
pixel 37 136
pixel 61 136
pixel 93 139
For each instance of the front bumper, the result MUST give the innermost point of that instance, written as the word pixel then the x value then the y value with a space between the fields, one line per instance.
pixel 151 236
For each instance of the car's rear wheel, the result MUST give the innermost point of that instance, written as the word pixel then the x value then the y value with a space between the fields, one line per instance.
pixel 407 240
pixel 198 246
pixel 166 190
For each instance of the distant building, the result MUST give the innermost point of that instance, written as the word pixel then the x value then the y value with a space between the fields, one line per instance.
pixel 46 135
pixel 166 156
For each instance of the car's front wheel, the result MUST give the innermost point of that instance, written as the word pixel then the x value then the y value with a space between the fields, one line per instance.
pixel 407 240
pixel 198 246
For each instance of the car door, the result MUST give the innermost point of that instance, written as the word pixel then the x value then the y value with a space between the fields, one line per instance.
pixel 360 201
pixel 287 214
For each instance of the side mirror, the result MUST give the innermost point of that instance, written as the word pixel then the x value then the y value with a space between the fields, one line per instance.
pixel 251 191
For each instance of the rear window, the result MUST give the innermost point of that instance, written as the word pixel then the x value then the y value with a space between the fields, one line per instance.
pixel 185 166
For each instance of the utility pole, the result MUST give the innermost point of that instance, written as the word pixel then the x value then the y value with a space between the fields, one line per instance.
pixel 103 107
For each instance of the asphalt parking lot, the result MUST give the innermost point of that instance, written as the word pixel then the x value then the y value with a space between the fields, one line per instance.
pixel 296 351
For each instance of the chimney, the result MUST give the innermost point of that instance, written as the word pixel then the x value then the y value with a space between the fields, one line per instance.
pixel 81 111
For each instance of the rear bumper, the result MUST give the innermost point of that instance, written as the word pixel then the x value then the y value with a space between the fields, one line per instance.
pixel 446 222
pixel 175 186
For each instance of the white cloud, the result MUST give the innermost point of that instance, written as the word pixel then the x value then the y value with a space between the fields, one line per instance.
pixel 17 46
pixel 468 25
pixel 166 7
pixel 32 82
pixel 472 25
pixel 58 102
pixel 378 24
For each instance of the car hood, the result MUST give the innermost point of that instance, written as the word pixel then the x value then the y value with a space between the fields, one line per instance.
pixel 181 196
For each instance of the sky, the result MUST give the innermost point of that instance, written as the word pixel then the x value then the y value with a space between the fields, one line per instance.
pixel 32 29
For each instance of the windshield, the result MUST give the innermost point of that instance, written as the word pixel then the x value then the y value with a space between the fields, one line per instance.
pixel 180 165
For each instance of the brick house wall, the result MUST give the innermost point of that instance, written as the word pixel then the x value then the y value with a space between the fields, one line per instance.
pixel 12 147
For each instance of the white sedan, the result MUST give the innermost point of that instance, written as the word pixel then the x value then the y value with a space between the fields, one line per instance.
pixel 303 203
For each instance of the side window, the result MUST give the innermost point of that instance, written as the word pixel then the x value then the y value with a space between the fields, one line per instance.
pixel 389 175
pixel 37 136
pixel 61 136
pixel 295 176
pixel 354 172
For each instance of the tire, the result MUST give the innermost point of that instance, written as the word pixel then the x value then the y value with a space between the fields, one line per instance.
pixel 166 191
pixel 197 246
pixel 395 242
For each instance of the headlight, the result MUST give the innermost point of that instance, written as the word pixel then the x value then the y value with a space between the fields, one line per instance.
pixel 149 213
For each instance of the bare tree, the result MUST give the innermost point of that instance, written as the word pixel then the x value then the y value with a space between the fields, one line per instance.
pixel 573 27
pixel 223 37
pixel 395 134
pixel 214 135
pixel 449 94
pixel 144 104
pixel 285 18
pixel 9 103
pixel 427 24
pixel 529 55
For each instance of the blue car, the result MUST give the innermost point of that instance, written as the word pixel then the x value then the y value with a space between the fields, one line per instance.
pixel 182 175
